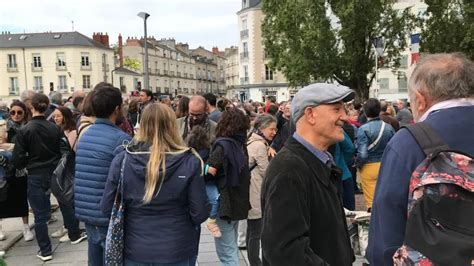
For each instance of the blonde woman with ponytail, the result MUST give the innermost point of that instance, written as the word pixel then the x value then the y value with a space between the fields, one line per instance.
pixel 164 193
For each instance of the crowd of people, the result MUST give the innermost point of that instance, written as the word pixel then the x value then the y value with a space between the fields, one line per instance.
pixel 274 178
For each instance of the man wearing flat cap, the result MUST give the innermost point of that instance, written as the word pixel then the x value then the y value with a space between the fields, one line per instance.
pixel 303 217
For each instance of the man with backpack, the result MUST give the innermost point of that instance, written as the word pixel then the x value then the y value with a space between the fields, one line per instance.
pixel 441 95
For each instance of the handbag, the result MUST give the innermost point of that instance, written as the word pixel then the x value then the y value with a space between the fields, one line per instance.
pixel 114 242
pixel 62 180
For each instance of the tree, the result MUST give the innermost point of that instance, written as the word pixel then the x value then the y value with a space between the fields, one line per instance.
pixel 448 27
pixel 331 40
pixel 132 63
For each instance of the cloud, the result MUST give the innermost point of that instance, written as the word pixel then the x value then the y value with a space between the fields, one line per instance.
pixel 198 22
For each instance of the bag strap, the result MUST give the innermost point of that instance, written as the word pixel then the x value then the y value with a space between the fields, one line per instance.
pixel 379 137
pixel 428 139
pixel 253 167
pixel 120 183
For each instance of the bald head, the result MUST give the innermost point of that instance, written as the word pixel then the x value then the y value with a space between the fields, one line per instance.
pixel 197 104
pixel 78 94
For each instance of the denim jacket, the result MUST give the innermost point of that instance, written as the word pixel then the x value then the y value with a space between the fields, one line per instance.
pixel 366 135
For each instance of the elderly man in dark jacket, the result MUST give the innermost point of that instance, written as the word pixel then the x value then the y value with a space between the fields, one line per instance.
pixel 303 218
pixel 441 94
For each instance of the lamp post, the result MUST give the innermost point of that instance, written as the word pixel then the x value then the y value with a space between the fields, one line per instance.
pixel 144 16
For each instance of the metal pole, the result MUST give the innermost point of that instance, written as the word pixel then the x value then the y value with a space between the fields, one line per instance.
pixel 144 16
pixel 376 94
pixel 147 78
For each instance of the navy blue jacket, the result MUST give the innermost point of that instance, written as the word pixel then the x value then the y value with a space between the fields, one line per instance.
pixel 401 157
pixel 95 151
pixel 167 229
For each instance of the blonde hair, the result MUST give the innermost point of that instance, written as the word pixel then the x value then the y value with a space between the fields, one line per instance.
pixel 159 128
pixel 391 110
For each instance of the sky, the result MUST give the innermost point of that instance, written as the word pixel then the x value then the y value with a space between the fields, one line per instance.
pixel 206 23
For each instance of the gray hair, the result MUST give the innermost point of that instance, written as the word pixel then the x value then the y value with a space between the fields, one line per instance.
pixel 443 76
pixel 56 98
pixel 27 95
pixel 263 121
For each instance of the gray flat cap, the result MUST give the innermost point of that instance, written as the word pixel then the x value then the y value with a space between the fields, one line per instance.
pixel 317 94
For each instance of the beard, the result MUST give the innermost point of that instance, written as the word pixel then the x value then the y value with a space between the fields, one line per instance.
pixel 197 122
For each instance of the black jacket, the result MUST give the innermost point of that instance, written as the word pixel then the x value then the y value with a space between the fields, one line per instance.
pixel 37 146
pixel 234 202
pixel 303 218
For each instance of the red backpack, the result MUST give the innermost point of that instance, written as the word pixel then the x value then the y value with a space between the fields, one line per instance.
pixel 440 222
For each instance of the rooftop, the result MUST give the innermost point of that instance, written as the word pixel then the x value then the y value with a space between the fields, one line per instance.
pixel 47 39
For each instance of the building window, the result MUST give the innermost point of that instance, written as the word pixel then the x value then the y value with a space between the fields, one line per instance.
pixel 384 84
pixel 86 81
pixel 268 73
pixel 105 66
pixel 245 4
pixel 36 60
pixel 85 59
pixel 402 83
pixel 158 89
pixel 62 83
pixel 61 63
pixel 38 87
pixel 13 90
pixel 121 82
pixel 12 61
pixel 245 53
pixel 404 61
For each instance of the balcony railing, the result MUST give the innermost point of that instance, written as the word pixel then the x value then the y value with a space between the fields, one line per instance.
pixel 12 68
pixel 38 88
pixel 86 67
pixel 62 89
pixel 244 55
pixel 13 91
pixel 36 68
pixel 244 34
pixel 61 67
pixel 244 80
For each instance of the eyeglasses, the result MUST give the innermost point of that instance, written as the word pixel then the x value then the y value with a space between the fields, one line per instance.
pixel 13 112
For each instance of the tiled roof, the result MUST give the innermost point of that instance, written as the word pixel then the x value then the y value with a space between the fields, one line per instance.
pixel 47 39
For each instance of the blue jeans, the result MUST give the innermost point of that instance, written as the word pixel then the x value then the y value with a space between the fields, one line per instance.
pixel 188 262
pixel 348 194
pixel 213 199
pixel 70 221
pixel 38 196
pixel 226 246
pixel 96 244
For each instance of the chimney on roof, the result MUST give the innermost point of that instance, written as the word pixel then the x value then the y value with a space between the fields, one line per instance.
pixel 183 47
pixel 215 50
pixel 120 50
pixel 101 38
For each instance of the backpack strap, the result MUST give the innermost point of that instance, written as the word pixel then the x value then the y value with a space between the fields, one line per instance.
pixel 428 139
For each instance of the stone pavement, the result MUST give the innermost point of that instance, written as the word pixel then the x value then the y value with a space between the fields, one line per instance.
pixel 19 252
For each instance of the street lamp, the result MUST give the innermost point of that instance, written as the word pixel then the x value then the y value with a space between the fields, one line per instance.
pixel 144 16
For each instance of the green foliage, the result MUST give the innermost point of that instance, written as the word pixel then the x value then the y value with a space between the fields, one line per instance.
pixel 132 63
pixel 319 40
pixel 449 27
